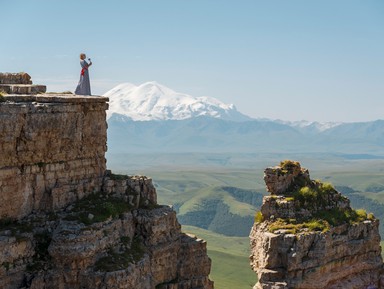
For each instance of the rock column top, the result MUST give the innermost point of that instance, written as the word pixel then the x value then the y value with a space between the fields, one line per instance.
pixel 19 83
pixel 281 179
pixel 15 78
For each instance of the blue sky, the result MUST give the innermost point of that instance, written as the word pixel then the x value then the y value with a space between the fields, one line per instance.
pixel 291 60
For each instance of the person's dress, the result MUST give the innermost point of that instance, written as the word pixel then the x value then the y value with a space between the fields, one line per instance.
pixel 84 86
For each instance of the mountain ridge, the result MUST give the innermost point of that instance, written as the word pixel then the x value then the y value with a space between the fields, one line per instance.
pixel 154 101
pixel 163 120
pixel 206 134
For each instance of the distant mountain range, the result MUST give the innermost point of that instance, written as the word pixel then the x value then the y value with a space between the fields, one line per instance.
pixel 153 118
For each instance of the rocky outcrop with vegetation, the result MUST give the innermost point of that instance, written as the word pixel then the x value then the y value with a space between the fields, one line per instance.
pixel 307 236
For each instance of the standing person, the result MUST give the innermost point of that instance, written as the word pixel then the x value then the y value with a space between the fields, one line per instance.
pixel 84 86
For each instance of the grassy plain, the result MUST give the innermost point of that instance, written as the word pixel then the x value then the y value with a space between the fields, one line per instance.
pixel 189 180
pixel 230 259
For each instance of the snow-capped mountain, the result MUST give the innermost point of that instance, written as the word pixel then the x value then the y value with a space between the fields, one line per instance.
pixel 310 126
pixel 153 101
pixel 205 124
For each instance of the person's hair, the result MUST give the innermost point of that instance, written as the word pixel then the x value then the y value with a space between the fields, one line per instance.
pixel 81 55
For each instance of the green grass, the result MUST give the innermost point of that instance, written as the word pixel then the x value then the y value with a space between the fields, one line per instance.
pixel 2 94
pixel 259 217
pixel 230 259
pixel 293 227
pixel 209 193
pixel 64 92
pixel 189 177
pixel 233 272
pixel 100 206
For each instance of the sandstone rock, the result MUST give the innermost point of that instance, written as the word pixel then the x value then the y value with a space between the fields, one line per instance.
pixel 19 83
pixel 293 245
pixel 52 152
pixel 15 78
pixel 69 223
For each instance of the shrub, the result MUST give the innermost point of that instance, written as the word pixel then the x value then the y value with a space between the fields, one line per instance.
pixel 327 188
pixel 118 177
pixel 338 216
pixel 259 217
pixel 280 224
pixel 100 207
pixel 306 194
pixel 289 166
pixel 317 225
pixel 370 216
pixel 41 259
pixel 361 215
pixel 314 194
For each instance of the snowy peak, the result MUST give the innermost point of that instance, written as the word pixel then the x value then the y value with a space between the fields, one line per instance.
pixel 309 126
pixel 153 101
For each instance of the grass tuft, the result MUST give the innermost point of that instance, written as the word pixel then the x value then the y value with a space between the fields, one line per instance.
pixel 259 217
pixel 292 227
pixel 100 206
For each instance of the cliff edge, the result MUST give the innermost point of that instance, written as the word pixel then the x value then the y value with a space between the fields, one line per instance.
pixel 307 236
pixel 66 221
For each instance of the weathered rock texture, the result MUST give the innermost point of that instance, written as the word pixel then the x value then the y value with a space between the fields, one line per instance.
pixel 52 151
pixel 67 221
pixel 19 83
pixel 307 236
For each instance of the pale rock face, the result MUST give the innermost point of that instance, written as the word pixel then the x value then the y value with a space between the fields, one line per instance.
pixel 346 256
pixel 278 180
pixel 53 151
pixel 19 83
pixel 53 158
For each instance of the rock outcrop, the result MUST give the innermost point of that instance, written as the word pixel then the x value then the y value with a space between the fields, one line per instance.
pixel 307 236
pixel 67 222
pixel 19 83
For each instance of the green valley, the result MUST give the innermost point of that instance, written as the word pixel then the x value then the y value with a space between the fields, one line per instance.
pixel 216 196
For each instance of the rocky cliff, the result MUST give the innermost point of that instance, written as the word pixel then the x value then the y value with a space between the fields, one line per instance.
pixel 66 221
pixel 307 236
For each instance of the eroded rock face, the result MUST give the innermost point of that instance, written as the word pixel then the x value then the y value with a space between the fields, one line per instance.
pixel 52 151
pixel 69 223
pixel 15 78
pixel 142 249
pixel 19 83
pixel 280 179
pixel 294 243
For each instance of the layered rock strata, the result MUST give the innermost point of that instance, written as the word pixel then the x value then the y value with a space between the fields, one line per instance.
pixel 307 236
pixel 67 222
pixel 19 83
pixel 52 151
